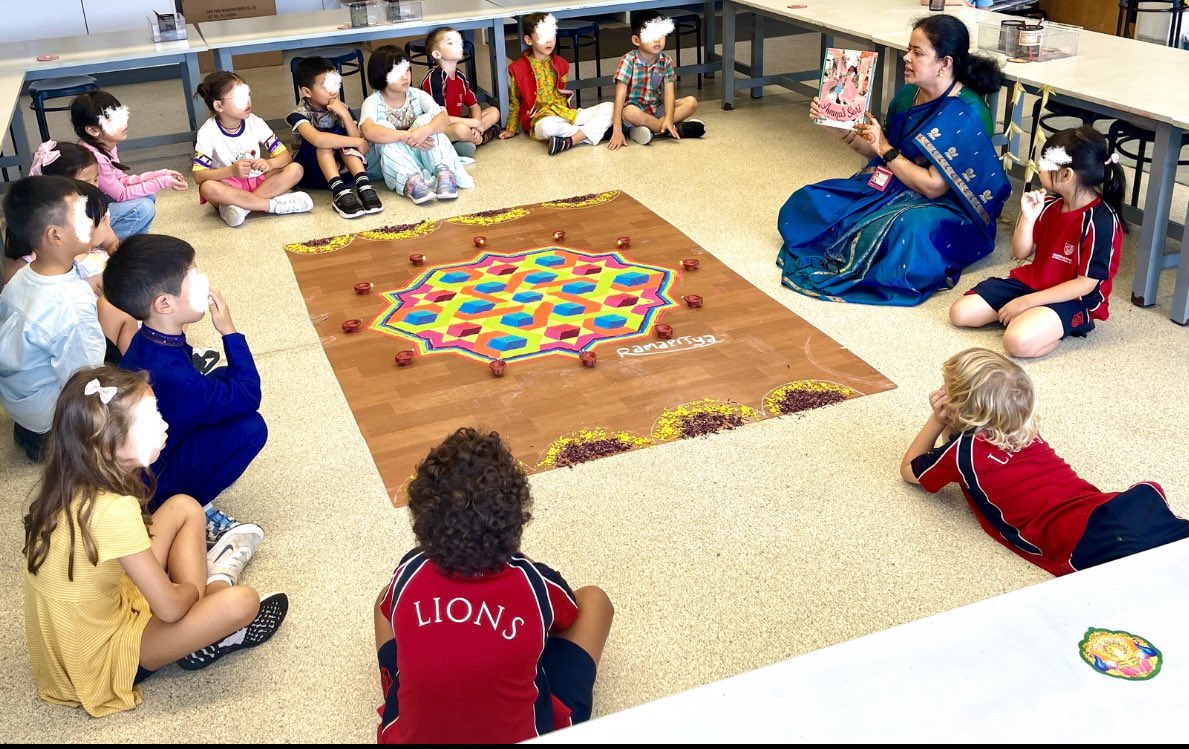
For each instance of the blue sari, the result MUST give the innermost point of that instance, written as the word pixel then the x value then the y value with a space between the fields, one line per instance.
pixel 845 241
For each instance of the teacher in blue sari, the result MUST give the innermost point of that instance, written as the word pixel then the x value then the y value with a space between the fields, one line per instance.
pixel 925 206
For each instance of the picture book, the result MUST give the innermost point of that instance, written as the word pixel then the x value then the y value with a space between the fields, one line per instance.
pixel 848 77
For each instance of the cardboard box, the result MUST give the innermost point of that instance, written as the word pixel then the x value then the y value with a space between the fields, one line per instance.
pixel 200 11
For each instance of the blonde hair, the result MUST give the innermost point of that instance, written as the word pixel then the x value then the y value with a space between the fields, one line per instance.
pixel 992 395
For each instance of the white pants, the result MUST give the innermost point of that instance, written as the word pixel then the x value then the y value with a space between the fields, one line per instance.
pixel 593 121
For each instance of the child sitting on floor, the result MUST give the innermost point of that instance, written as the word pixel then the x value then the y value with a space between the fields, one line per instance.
pixel 1074 237
pixel 1024 495
pixel 49 319
pixel 328 143
pixel 539 102
pixel 106 604
pixel 54 159
pixel 231 172
pixel 408 128
pixel 101 123
pixel 215 426
pixel 644 83
pixel 470 124
pixel 470 626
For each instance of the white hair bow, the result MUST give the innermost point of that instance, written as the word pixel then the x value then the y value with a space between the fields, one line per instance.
pixel 46 154
pixel 105 394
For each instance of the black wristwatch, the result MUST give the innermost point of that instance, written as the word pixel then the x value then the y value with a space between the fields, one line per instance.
pixel 891 155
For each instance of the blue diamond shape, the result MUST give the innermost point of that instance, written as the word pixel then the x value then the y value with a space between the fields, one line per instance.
pixel 550 261
pixel 608 322
pixel 508 343
pixel 517 320
pixel 528 296
pixel 475 306
pixel 490 287
pixel 454 277
pixel 540 277
pixel 568 309
pixel 420 317
pixel 631 279
pixel 578 287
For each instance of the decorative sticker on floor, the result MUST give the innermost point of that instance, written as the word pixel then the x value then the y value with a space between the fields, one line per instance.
pixel 1120 654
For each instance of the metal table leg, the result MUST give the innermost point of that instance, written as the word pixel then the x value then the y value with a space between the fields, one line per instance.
pixel 728 55
pixel 757 55
pixel 1150 257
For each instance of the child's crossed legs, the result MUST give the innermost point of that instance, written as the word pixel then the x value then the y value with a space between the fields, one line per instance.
pixel 273 183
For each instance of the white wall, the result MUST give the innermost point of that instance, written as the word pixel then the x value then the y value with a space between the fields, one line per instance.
pixel 105 15
pixel 52 18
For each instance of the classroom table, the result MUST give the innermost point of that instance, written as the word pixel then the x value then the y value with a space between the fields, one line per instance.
pixel 1007 669
pixel 1180 296
pixel 562 9
pixel 11 83
pixel 87 54
pixel 326 28
pixel 1112 76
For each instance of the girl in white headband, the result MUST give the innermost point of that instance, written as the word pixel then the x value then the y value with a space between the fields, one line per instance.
pixel 1072 231
pixel 644 88
pixel 409 130
pixel 101 124
pixel 539 103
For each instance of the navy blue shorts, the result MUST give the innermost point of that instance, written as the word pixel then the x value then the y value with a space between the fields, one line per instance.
pixel 1133 521
pixel 997 292
pixel 312 177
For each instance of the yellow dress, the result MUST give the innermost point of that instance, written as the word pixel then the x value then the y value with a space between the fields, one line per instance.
pixel 84 636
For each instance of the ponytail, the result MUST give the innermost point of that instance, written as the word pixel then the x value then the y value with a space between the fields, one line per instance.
pixel 951 39
pixel 215 86
pixel 1114 188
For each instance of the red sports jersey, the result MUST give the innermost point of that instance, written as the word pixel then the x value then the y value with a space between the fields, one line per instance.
pixel 452 93
pixel 1032 502
pixel 1086 242
pixel 467 652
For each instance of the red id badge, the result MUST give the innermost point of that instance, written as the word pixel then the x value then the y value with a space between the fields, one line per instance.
pixel 880 178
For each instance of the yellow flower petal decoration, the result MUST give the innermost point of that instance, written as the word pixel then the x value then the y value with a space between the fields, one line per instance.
pixel 589 444
pixel 706 416
pixel 490 218
pixel 401 231
pixel 320 246
pixel 803 395
pixel 583 201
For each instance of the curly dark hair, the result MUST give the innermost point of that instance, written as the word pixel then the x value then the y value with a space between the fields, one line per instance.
pixel 470 502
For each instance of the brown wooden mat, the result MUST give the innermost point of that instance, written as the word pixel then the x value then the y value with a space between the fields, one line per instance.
pixel 536 302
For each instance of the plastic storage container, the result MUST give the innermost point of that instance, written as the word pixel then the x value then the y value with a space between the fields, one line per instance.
pixel 1026 40
pixel 167 27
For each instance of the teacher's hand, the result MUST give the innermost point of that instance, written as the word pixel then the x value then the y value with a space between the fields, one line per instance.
pixel 814 110
pixel 871 132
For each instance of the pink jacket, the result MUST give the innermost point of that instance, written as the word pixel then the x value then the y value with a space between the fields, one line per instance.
pixel 121 186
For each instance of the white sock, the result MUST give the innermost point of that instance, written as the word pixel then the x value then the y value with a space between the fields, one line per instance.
pixel 272 205
pixel 220 577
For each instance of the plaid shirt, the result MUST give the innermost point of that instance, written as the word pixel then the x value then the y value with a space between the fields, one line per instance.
pixel 646 83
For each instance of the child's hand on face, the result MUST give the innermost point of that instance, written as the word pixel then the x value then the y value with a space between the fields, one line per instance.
pixel 939 399
pixel 220 315
pixel 1031 204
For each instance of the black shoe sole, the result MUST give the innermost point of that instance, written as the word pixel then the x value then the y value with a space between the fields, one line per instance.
pixel 271 616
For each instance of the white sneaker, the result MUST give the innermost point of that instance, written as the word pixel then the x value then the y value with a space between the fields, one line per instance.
pixel 291 202
pixel 232 552
pixel 232 214
pixel 641 135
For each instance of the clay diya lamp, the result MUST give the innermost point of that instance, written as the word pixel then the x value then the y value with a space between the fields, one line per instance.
pixel 690 263
pixel 480 241
pixel 623 243
pixel 587 358
pixel 692 301
pixel 404 358
pixel 350 326
pixel 663 331
pixel 497 367
pixel 559 236
pixel 363 288
pixel 417 259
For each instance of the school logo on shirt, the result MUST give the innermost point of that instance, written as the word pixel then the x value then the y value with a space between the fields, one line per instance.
pixel 1069 248
pixel 1120 654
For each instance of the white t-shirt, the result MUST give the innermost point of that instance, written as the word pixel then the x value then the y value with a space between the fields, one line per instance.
pixel 217 148
pixel 49 329
pixel 378 111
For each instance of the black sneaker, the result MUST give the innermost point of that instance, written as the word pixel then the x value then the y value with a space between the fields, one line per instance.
pixel 272 612
pixel 31 442
pixel 691 129
pixel 369 198
pixel 347 205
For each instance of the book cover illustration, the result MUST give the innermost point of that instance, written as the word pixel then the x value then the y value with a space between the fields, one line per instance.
pixel 848 76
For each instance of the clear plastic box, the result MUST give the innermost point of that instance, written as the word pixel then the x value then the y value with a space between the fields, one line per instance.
pixel 167 27
pixel 382 12
pixel 1028 40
